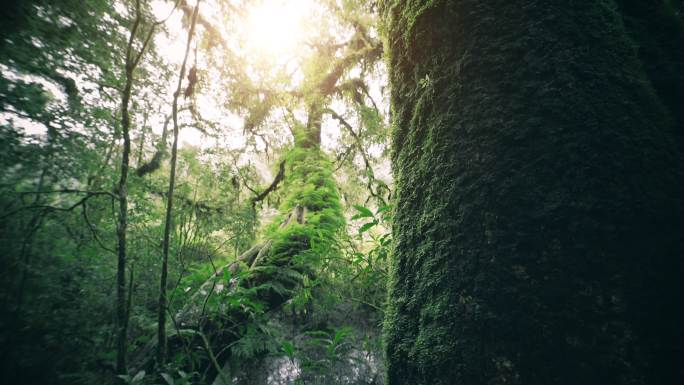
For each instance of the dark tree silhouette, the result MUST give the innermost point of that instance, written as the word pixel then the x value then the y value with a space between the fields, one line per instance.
pixel 539 217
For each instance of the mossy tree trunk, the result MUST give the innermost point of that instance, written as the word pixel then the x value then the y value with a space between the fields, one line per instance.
pixel 168 218
pixel 305 232
pixel 132 59
pixel 295 243
pixel 539 212
pixel 658 37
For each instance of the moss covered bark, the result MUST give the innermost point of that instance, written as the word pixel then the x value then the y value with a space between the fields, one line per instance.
pixel 657 34
pixel 539 213
pixel 294 242
pixel 293 248
pixel 306 229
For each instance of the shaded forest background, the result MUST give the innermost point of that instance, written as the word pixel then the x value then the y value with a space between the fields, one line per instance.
pixel 101 104
pixel 187 196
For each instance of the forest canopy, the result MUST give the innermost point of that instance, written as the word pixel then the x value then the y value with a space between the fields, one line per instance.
pixel 357 192
pixel 193 191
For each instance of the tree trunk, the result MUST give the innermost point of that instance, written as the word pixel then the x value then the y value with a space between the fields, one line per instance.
pixel 539 214
pixel 304 233
pixel 161 309
pixel 121 314
pixel 658 36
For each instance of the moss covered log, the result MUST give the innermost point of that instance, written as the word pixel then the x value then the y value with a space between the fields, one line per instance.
pixel 539 217
pixel 293 247
pixel 293 244
pixel 306 229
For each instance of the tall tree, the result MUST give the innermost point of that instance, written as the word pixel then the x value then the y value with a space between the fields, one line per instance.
pixel 310 218
pixel 161 315
pixel 539 213
pixel 133 56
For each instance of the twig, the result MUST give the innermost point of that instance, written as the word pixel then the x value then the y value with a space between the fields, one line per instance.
pixel 53 208
pixel 93 230
pixel 274 185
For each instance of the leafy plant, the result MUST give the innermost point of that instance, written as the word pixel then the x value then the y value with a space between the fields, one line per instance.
pixel 133 380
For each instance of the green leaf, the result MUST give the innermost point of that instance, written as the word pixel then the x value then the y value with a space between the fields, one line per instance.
pixel 367 227
pixel 184 378
pixel 383 209
pixel 138 377
pixel 340 335
pixel 288 348
pixel 167 377
pixel 364 212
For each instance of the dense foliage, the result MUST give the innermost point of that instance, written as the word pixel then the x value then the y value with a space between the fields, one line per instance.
pixel 198 192
pixel 86 95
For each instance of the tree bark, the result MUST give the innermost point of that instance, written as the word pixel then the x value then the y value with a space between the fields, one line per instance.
pixel 132 60
pixel 539 213
pixel 121 315
pixel 658 36
pixel 161 311
pixel 307 226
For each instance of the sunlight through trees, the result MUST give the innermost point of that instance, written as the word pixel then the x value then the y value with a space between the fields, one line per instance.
pixel 357 192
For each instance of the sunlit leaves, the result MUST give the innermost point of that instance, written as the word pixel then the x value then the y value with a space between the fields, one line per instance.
pixel 367 226
pixel 364 212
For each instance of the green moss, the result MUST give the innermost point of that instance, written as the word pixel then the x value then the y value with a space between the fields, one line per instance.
pixel 658 36
pixel 532 156
pixel 309 184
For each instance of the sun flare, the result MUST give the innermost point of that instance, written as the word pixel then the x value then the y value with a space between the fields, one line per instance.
pixel 276 27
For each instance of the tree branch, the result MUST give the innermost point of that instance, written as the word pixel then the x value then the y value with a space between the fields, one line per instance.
pixel 274 185
pixel 359 144
pixel 89 194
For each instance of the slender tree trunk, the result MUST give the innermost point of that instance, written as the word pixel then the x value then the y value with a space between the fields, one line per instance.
pixel 121 314
pixel 539 213
pixel 31 230
pixel 161 315
pixel 132 60
pixel 141 146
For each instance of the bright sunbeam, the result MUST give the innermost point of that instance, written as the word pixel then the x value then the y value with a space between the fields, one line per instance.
pixel 276 27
